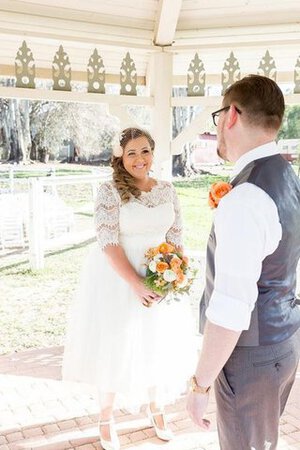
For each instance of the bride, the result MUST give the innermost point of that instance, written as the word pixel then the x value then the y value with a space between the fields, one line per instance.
pixel 132 353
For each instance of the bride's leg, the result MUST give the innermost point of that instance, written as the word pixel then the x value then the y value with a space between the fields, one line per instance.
pixel 154 408
pixel 157 417
pixel 106 401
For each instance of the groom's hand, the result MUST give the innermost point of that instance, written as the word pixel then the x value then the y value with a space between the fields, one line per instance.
pixel 196 407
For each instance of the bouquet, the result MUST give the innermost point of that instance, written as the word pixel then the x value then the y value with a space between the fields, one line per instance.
pixel 168 271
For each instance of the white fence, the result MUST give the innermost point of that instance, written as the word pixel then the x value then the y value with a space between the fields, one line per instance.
pixel 43 215
pixel 8 176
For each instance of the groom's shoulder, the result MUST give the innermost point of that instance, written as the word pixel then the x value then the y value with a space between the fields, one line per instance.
pixel 247 194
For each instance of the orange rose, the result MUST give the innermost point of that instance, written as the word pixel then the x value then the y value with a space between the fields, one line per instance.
pixel 166 248
pixel 217 191
pixel 180 276
pixel 175 263
pixel 161 266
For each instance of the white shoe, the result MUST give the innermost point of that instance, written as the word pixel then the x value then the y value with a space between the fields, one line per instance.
pixel 114 443
pixel 165 434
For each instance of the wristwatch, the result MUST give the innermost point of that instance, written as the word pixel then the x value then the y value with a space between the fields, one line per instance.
pixel 194 387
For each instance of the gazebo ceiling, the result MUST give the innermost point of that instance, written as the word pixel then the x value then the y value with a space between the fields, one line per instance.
pixel 213 28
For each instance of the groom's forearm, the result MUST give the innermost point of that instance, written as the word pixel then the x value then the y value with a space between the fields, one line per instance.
pixel 218 344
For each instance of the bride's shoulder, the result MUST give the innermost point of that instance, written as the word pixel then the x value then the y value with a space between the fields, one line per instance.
pixel 163 184
pixel 107 188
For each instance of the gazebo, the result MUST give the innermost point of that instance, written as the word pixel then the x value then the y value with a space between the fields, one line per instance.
pixel 203 45
pixel 145 48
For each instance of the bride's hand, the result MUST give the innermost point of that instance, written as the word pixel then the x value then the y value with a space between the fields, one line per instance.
pixel 146 296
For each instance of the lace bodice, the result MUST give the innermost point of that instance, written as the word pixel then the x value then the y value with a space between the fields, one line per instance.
pixel 112 218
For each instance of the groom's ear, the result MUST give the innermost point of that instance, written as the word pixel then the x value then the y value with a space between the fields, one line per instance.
pixel 232 116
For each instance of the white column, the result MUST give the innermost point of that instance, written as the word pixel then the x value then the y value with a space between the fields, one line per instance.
pixel 159 82
pixel 36 225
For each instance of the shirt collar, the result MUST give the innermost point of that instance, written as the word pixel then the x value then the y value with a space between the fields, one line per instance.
pixel 262 151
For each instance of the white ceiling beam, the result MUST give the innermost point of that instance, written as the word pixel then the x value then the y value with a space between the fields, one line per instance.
pixel 73 96
pixel 166 22
pixel 93 11
pixel 214 101
pixel 237 36
pixel 27 25
pixel 205 101
pixel 60 38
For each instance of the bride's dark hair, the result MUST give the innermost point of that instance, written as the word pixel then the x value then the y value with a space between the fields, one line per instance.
pixel 125 183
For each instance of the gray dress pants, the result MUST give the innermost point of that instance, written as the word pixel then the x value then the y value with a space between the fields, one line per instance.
pixel 251 393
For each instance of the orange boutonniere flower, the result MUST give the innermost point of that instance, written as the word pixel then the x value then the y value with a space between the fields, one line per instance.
pixel 217 191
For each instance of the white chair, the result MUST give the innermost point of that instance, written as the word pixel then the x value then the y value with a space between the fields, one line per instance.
pixel 58 217
pixel 12 229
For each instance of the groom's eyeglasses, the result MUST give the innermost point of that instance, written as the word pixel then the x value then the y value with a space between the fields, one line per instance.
pixel 216 114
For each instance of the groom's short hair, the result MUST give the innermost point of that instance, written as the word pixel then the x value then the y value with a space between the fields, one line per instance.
pixel 260 100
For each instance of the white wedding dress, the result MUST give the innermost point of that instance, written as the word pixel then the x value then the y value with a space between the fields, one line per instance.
pixel 113 341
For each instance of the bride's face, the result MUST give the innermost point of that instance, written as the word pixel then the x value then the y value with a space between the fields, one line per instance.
pixel 138 157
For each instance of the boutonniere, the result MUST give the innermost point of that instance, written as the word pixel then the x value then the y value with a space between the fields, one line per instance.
pixel 217 191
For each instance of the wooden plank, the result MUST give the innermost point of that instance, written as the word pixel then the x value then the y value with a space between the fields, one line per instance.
pixel 80 97
pixel 166 21
pixel 77 75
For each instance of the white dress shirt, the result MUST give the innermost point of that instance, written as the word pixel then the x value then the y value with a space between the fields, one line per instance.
pixel 247 229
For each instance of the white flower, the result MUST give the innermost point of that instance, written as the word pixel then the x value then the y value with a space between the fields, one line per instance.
pixel 169 276
pixel 117 150
pixel 157 257
pixel 152 266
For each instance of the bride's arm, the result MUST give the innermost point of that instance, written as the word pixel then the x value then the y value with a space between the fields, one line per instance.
pixel 174 234
pixel 107 208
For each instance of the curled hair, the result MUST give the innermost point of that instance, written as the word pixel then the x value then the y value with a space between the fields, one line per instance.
pixel 125 183
pixel 260 100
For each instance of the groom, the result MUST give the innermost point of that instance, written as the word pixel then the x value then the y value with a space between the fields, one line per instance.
pixel 248 312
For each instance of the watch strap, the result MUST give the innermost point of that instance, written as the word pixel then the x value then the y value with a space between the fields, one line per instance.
pixel 195 387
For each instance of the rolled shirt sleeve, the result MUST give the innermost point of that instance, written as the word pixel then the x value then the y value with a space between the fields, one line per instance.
pixel 247 229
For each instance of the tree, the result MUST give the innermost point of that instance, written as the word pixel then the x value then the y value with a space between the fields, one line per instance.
pixel 89 127
pixel 31 129
pixel 5 130
pixel 16 139
pixel 182 116
pixel 290 128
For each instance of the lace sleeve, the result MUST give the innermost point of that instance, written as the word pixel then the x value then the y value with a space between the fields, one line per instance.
pixel 107 216
pixel 174 235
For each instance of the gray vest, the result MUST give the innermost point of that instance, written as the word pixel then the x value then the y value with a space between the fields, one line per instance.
pixel 275 316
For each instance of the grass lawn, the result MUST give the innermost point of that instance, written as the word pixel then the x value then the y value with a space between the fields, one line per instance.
pixel 196 214
pixel 33 305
